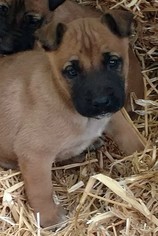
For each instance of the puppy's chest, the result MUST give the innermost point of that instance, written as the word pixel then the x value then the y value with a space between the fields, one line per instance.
pixel 91 131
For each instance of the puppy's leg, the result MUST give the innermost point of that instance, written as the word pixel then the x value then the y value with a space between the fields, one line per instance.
pixel 96 144
pixel 123 133
pixel 37 179
pixel 135 81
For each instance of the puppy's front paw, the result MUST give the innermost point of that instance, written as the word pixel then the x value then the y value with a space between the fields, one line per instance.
pixel 54 216
pixel 96 145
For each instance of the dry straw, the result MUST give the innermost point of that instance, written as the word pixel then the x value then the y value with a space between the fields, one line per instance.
pixel 110 194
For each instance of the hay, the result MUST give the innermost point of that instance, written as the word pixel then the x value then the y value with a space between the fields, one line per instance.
pixel 110 193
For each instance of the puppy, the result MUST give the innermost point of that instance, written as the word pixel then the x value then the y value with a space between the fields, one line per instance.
pixel 19 19
pixel 119 128
pixel 61 100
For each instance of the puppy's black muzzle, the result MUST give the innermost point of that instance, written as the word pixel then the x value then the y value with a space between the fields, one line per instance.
pixel 98 94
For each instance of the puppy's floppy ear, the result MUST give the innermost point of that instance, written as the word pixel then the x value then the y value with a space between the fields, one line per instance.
pixel 119 22
pixel 51 36
pixel 54 4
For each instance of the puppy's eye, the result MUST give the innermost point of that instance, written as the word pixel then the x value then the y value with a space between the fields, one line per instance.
pixel 114 63
pixel 33 20
pixel 4 8
pixel 70 72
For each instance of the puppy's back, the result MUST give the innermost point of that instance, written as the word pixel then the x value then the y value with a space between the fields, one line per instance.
pixel 69 11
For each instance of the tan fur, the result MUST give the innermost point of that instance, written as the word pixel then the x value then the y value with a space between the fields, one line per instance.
pixel 38 123
pixel 70 10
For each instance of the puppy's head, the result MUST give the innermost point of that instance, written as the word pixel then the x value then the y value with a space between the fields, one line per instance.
pixel 19 19
pixel 90 59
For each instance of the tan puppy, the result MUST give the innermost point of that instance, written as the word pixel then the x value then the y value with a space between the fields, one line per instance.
pixel 119 129
pixel 54 104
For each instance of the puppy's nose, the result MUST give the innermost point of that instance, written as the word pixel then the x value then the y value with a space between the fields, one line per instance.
pixel 101 102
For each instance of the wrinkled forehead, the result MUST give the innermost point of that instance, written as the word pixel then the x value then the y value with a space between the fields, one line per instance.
pixel 90 38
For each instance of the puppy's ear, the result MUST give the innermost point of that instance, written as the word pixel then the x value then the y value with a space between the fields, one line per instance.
pixel 119 22
pixel 51 37
pixel 54 4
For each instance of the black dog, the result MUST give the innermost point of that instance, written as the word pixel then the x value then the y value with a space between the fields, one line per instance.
pixel 19 19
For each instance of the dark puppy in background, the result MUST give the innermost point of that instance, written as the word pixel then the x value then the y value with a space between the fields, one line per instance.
pixel 19 19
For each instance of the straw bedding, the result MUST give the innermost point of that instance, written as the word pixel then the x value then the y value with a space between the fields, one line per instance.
pixel 109 193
